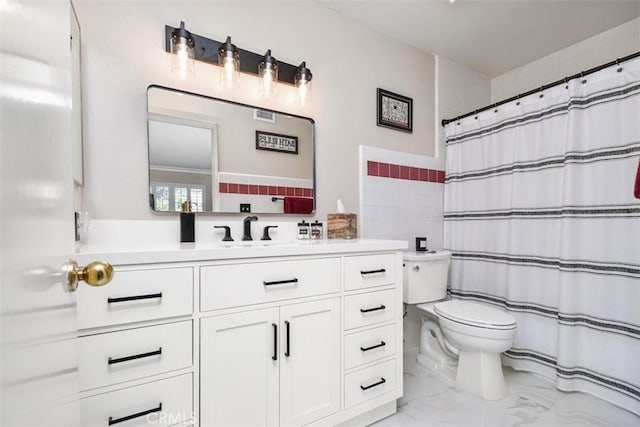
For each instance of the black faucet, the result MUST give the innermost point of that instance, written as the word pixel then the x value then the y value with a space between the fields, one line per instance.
pixel 247 227
pixel 227 233
pixel 265 232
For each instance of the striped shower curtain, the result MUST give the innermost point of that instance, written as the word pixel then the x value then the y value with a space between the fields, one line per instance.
pixel 541 218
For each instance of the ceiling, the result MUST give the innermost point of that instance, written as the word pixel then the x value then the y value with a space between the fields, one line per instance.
pixel 489 36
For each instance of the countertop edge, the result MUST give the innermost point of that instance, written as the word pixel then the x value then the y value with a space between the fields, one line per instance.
pixel 212 251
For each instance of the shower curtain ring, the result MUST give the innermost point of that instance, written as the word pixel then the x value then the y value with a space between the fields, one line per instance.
pixel 582 77
pixel 541 89
pixel 566 83
pixel 518 99
pixel 476 113
pixel 618 65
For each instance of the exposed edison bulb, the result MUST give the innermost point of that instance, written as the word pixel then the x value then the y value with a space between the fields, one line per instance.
pixel 183 61
pixel 229 76
pixel 229 60
pixel 268 86
pixel 304 93
pixel 182 46
pixel 302 79
pixel 268 71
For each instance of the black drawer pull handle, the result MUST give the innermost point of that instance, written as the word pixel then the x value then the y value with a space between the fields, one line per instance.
pixel 367 310
pixel 134 298
pixel 287 326
pixel 381 270
pixel 382 344
pixel 113 421
pixel 135 356
pixel 275 341
pixel 280 282
pixel 382 381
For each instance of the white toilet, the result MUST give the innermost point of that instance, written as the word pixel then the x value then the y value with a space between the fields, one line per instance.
pixel 473 333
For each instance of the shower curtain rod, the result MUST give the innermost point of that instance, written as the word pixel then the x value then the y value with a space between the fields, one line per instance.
pixel 547 86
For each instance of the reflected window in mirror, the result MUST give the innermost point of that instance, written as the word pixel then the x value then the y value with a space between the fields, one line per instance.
pixel 184 174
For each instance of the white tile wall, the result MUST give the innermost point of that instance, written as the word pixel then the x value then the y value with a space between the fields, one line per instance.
pixel 396 208
pixel 599 49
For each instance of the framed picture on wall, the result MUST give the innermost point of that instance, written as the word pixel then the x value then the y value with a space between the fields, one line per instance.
pixel 276 142
pixel 395 111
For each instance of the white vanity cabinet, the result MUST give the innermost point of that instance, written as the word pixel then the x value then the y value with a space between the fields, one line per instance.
pixel 136 348
pixel 299 335
pixel 282 362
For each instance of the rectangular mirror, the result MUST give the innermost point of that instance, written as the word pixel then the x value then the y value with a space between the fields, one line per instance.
pixel 227 157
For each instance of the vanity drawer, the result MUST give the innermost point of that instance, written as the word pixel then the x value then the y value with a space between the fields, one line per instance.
pixel 224 286
pixel 369 383
pixel 368 346
pixel 137 295
pixel 366 271
pixel 370 308
pixel 115 357
pixel 163 403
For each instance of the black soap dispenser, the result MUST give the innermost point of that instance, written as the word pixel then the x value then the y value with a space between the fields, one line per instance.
pixel 187 224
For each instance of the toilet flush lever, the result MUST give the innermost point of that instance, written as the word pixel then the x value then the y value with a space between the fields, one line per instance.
pixel 416 268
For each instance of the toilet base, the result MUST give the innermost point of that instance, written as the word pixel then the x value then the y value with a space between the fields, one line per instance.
pixel 444 371
pixel 481 374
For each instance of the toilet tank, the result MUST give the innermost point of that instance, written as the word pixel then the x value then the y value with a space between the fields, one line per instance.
pixel 425 276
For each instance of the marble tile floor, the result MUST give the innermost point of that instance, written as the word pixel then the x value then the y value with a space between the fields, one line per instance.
pixel 533 400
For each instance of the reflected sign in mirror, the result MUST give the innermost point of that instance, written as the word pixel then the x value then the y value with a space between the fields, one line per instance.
pixel 220 155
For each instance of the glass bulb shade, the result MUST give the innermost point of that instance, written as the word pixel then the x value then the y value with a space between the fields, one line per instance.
pixel 303 95
pixel 183 62
pixel 229 68
pixel 268 73
pixel 229 74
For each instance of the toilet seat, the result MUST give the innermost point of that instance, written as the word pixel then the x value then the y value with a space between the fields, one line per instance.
pixel 476 315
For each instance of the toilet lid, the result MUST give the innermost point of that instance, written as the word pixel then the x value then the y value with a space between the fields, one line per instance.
pixel 475 314
pixel 428 256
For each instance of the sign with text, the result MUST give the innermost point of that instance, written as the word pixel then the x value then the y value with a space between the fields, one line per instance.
pixel 276 142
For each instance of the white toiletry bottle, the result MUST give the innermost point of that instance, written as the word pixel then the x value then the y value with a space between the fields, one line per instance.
pixel 316 230
pixel 303 230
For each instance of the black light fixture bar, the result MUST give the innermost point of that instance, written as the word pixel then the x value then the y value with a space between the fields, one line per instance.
pixel 206 50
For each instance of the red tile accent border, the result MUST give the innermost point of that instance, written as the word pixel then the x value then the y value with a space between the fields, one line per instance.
pixel 390 170
pixel 264 190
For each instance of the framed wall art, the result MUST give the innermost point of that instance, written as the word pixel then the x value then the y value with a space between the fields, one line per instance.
pixel 276 142
pixel 395 111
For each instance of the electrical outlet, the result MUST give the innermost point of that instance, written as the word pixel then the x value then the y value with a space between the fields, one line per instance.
pixel 245 207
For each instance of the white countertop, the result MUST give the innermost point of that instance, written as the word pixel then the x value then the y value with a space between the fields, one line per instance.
pixel 210 251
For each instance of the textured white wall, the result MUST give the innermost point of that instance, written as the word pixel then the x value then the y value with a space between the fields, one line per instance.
pixel 592 52
pixel 459 90
pixel 123 53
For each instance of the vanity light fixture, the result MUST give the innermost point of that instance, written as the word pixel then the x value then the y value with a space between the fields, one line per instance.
pixel 268 72
pixel 302 80
pixel 234 60
pixel 229 60
pixel 182 45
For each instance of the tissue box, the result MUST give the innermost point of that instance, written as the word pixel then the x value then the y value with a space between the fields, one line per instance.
pixel 342 226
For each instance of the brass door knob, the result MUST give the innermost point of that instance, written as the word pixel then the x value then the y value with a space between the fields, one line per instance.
pixel 97 273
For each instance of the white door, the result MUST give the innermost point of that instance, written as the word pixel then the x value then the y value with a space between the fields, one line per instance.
pixel 239 358
pixel 310 365
pixel 39 364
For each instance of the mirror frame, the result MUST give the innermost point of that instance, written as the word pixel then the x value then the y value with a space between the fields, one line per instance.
pixel 181 120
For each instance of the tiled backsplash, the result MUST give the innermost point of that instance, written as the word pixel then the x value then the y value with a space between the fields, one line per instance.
pixel 401 196
pixel 390 170
pixel 258 190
